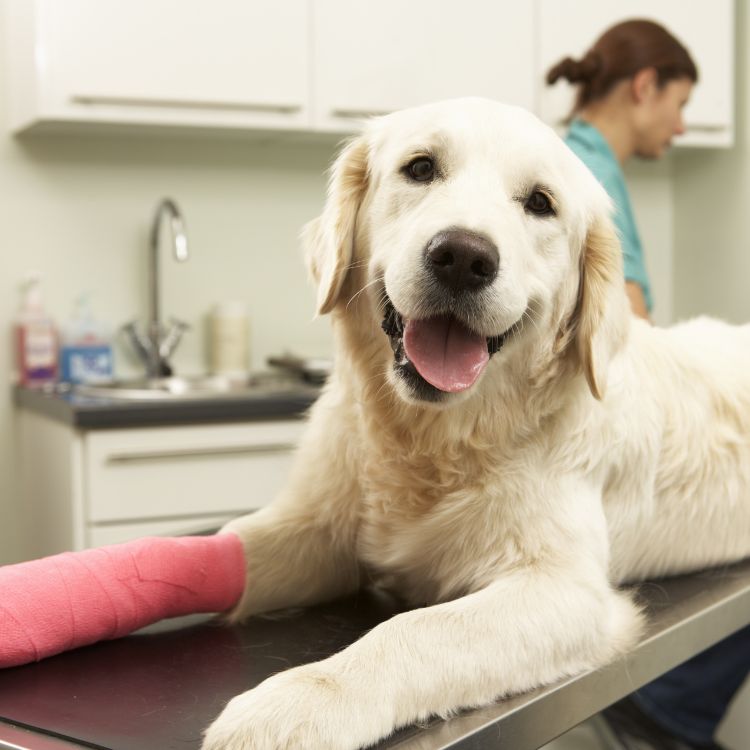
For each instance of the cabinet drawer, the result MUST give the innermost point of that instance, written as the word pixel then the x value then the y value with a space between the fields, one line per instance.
pixel 204 470
pixel 100 536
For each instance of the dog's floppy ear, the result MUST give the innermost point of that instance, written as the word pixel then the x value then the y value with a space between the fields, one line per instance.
pixel 602 314
pixel 329 239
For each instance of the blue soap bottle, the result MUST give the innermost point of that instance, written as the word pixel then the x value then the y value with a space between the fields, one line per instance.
pixel 86 351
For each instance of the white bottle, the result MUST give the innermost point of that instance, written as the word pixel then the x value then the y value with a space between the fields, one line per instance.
pixel 229 332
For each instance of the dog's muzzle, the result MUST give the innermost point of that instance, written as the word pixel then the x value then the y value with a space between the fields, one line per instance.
pixel 439 353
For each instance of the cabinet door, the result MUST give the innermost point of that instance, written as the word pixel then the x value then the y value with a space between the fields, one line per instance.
pixel 228 63
pixel 706 28
pixel 372 58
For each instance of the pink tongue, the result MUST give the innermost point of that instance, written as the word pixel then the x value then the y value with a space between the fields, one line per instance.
pixel 446 353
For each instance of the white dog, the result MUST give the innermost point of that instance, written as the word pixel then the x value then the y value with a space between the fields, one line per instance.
pixel 500 439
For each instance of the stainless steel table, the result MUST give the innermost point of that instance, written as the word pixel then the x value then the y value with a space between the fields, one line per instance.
pixel 156 690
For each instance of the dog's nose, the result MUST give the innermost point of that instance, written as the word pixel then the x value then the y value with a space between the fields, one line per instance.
pixel 462 260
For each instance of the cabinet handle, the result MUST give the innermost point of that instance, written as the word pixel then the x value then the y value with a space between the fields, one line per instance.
pixel 358 114
pixel 705 128
pixel 126 101
pixel 689 127
pixel 129 458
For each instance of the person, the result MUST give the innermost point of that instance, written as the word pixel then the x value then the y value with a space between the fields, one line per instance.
pixel 632 86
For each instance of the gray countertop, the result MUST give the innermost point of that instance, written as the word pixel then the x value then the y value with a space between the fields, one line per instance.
pixel 156 690
pixel 289 400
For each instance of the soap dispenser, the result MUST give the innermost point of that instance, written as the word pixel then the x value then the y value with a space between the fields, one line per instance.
pixel 35 338
pixel 86 352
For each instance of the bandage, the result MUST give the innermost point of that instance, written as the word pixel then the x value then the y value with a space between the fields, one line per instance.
pixel 76 598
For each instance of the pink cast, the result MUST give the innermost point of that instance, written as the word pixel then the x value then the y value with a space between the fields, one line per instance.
pixel 76 598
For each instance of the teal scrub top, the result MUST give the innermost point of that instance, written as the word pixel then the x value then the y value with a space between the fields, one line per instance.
pixel 592 149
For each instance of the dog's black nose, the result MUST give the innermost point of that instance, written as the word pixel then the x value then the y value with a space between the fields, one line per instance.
pixel 462 260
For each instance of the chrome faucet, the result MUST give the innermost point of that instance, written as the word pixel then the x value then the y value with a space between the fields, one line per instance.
pixel 156 346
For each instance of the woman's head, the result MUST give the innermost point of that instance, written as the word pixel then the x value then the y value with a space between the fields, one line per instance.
pixel 656 69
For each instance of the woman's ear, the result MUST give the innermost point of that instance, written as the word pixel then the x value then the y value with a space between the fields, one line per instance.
pixel 602 317
pixel 328 241
pixel 644 84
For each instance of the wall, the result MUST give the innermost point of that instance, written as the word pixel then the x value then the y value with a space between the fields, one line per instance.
pixel 712 222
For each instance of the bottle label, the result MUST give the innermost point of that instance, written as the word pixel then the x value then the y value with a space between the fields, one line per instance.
pixel 39 346
pixel 86 364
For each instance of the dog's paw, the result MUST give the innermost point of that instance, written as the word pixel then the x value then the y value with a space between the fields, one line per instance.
pixel 308 707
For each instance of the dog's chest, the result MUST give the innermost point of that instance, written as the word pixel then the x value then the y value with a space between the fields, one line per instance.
pixel 431 532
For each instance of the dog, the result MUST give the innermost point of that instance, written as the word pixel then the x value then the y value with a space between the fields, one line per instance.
pixel 501 443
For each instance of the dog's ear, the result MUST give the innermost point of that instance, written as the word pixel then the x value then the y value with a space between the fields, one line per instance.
pixel 329 240
pixel 602 313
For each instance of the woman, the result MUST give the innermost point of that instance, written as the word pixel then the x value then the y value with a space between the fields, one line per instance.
pixel 632 86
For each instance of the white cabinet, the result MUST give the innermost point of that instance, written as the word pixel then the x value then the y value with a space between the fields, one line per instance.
pixel 232 63
pixel 706 27
pixel 372 58
pixel 87 488
pixel 323 65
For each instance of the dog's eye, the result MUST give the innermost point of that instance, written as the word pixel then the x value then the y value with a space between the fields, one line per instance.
pixel 421 169
pixel 538 203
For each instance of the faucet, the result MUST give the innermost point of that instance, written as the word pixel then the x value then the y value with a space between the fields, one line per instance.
pixel 154 348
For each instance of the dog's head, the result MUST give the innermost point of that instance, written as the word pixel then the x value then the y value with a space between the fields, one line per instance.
pixel 472 232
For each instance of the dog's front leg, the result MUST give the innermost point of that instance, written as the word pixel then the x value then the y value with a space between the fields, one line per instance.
pixel 293 559
pixel 300 550
pixel 526 629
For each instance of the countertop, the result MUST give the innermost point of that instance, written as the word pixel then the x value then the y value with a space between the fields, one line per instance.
pixel 156 690
pixel 289 399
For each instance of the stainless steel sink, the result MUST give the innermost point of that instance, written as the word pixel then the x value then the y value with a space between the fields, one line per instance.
pixel 191 387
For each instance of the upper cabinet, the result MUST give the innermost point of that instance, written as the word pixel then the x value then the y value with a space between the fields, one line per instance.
pixel 372 58
pixel 705 27
pixel 231 63
pixel 323 65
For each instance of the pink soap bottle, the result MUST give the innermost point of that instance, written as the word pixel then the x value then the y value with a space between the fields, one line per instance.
pixel 35 339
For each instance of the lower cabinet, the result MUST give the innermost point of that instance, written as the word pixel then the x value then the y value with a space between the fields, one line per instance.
pixel 87 488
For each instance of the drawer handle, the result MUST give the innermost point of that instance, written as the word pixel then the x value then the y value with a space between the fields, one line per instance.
pixel 358 114
pixel 192 453
pixel 706 128
pixel 126 101
pixel 689 127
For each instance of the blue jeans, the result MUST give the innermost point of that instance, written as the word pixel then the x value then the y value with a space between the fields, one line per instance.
pixel 692 699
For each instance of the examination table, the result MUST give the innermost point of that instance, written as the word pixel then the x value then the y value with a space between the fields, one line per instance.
pixel 159 688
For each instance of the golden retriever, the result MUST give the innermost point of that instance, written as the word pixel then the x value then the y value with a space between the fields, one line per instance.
pixel 500 439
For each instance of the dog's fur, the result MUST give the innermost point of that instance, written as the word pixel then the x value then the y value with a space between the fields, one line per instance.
pixel 593 449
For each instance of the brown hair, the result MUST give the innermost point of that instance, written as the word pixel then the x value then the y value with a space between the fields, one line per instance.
pixel 618 54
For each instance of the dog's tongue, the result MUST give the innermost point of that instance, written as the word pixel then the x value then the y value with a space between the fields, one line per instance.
pixel 445 352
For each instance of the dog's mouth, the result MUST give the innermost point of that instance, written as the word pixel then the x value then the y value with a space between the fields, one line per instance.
pixel 440 351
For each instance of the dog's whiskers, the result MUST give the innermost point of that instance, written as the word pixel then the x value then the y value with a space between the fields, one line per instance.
pixel 376 280
pixel 381 302
pixel 356 264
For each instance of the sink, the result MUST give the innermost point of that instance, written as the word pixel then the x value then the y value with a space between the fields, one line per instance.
pixel 192 387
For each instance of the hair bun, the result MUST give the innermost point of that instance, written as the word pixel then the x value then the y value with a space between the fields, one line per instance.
pixel 575 71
